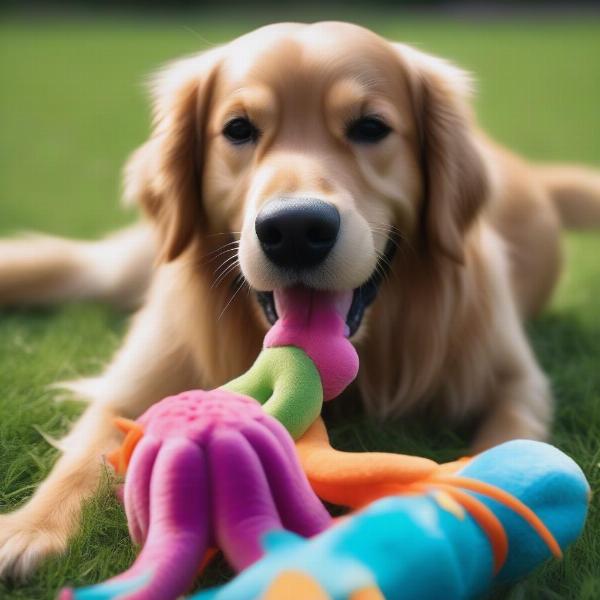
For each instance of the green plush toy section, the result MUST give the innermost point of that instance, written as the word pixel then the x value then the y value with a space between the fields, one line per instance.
pixel 287 383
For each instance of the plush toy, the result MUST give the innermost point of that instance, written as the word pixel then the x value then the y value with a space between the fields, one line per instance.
pixel 210 469
pixel 306 358
pixel 217 470
pixel 214 469
pixel 455 531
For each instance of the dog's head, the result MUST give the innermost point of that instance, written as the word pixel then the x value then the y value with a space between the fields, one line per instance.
pixel 320 148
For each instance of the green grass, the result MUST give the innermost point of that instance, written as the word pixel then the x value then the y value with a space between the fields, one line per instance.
pixel 72 107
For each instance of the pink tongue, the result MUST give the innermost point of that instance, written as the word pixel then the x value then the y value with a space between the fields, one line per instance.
pixel 315 321
pixel 302 306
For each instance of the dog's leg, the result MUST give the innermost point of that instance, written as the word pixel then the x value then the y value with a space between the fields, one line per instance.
pixel 148 367
pixel 521 408
pixel 42 526
pixel 518 401
pixel 514 395
pixel 38 269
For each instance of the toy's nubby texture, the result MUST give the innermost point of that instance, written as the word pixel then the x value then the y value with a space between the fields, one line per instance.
pixel 219 469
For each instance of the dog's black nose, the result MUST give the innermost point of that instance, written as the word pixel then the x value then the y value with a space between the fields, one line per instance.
pixel 297 233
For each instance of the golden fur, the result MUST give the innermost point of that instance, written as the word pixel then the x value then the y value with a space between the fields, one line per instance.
pixel 478 232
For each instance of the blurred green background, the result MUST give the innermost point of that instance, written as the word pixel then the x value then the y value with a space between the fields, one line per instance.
pixel 72 106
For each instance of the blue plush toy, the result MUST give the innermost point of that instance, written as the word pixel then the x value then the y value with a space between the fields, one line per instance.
pixel 427 545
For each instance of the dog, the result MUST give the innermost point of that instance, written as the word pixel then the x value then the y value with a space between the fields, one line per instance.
pixel 325 156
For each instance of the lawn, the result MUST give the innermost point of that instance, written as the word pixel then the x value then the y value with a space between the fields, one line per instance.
pixel 72 107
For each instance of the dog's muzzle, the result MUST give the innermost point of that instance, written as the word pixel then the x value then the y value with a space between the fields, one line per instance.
pixel 363 295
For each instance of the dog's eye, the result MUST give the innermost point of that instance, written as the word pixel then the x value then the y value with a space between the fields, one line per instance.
pixel 240 131
pixel 367 130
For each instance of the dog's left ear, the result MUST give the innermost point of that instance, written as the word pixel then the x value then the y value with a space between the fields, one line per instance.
pixel 455 177
pixel 164 175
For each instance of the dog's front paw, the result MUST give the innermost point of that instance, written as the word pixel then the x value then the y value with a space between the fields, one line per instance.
pixel 25 542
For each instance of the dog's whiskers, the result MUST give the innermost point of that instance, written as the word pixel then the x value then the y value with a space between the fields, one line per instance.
pixel 388 229
pixel 230 233
pixel 235 293
pixel 221 249
pixel 228 245
pixel 225 262
pixel 386 272
pixel 225 254
pixel 396 237
pixel 224 273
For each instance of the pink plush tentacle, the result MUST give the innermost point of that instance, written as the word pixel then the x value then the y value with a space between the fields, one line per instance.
pixel 137 487
pixel 178 530
pixel 282 435
pixel 243 507
pixel 299 508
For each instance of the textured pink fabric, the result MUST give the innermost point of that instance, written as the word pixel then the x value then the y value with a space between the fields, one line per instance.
pixel 315 322
pixel 197 413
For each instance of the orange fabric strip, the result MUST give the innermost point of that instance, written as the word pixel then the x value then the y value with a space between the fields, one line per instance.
pixel 356 478
pixel 509 501
pixel 120 457
pixel 295 585
pixel 486 519
pixel 369 593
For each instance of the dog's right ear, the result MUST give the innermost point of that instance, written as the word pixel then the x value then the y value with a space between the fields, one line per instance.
pixel 164 175
pixel 456 180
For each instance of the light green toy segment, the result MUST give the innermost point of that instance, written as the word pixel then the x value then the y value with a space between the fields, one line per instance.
pixel 286 382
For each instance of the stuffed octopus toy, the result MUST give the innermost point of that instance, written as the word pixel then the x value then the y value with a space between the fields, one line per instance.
pixel 218 469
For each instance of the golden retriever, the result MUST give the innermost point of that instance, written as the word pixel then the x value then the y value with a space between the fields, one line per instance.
pixel 326 156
